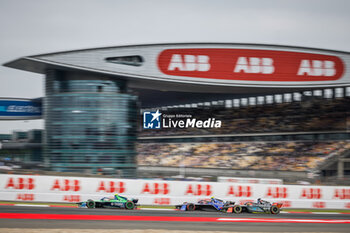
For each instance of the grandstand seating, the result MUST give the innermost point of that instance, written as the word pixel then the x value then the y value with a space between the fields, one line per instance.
pixel 304 116
pixel 283 156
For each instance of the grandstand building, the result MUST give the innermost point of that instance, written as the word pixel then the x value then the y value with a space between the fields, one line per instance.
pixel 264 95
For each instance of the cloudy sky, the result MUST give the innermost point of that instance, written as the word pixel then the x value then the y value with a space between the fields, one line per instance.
pixel 29 27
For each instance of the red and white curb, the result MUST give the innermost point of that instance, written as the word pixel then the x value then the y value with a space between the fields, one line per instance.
pixel 284 220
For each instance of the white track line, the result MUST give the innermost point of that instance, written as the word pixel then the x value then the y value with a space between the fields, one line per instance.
pixel 284 220
pixel 325 213
pixel 29 205
pixel 157 209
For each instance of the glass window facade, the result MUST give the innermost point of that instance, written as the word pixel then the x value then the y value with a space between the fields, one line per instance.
pixel 90 124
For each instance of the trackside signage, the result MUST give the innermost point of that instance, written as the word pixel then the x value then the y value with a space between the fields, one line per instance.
pixel 250 65
pixel 20 109
pixel 161 192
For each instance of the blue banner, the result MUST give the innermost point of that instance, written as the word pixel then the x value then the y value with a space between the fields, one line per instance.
pixel 13 109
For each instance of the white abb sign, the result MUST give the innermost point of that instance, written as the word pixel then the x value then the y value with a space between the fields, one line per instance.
pixel 254 65
pixel 74 189
pixel 189 63
pixel 316 68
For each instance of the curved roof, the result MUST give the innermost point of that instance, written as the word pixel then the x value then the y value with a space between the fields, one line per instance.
pixel 204 67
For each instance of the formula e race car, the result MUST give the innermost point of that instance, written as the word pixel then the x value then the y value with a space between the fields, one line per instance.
pixel 260 206
pixel 212 204
pixel 116 201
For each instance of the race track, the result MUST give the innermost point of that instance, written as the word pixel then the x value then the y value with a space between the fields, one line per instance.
pixel 74 218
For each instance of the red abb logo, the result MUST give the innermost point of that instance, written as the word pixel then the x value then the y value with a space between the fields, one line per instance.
pixel 71 198
pixel 347 205
pixel 156 188
pixel 66 185
pixel 286 204
pixel 199 190
pixel 239 191
pixel 111 187
pixel 341 194
pixel 25 197
pixel 162 201
pixel 277 192
pixel 319 204
pixel 311 193
pixel 20 183
pixel 250 64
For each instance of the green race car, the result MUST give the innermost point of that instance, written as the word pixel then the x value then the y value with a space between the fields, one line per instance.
pixel 116 201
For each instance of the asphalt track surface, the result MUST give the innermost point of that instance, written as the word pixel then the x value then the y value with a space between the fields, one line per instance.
pixel 153 220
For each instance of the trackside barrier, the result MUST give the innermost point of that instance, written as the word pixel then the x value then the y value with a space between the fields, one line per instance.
pixel 159 192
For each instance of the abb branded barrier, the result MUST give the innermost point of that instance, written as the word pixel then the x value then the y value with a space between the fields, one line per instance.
pixel 159 192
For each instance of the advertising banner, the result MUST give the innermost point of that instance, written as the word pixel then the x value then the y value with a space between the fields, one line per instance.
pixel 250 65
pixel 160 192
pixel 20 109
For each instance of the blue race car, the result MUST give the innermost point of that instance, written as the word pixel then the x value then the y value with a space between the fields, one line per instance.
pixel 213 204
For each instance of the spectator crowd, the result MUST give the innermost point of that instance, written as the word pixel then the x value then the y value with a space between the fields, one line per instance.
pixel 283 156
pixel 310 115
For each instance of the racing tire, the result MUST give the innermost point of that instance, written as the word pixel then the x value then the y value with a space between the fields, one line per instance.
pixel 129 205
pixel 237 209
pixel 274 210
pixel 90 204
pixel 190 207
